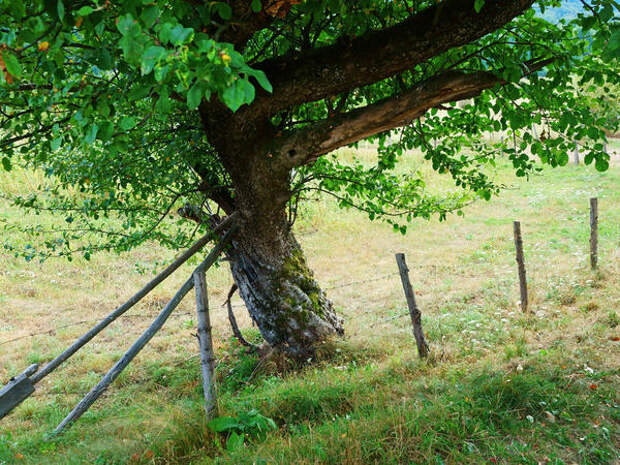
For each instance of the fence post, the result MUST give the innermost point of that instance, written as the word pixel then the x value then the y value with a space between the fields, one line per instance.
pixel 576 154
pixel 521 265
pixel 416 316
pixel 205 344
pixel 593 232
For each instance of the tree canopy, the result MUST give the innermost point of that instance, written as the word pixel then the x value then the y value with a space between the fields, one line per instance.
pixel 135 108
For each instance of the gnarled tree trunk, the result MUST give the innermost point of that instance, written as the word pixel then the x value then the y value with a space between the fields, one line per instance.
pixel 280 292
pixel 269 267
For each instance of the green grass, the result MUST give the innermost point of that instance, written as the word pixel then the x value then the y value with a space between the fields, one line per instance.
pixel 500 387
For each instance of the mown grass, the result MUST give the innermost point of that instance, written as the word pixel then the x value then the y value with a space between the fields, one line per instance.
pixel 500 386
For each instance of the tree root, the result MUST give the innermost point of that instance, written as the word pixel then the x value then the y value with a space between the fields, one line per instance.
pixel 233 322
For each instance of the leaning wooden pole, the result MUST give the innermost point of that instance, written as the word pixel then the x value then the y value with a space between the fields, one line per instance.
pixel 520 265
pixel 593 232
pixel 77 345
pixel 16 390
pixel 414 311
pixel 205 344
pixel 119 366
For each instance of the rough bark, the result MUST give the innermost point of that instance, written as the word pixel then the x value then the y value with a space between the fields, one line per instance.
pixel 283 298
pixel 302 146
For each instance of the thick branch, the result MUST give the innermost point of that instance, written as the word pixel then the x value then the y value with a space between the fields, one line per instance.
pixel 374 56
pixel 303 146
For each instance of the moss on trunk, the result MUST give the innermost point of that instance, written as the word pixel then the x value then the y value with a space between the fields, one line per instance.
pixel 286 302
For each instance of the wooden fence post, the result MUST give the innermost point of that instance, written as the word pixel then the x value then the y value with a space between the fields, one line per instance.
pixel 205 344
pixel 416 316
pixel 593 232
pixel 521 265
pixel 119 366
pixel 576 154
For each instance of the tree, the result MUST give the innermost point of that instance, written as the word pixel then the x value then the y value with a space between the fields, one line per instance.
pixel 137 110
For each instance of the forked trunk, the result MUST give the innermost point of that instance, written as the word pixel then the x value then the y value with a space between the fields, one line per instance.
pixel 280 292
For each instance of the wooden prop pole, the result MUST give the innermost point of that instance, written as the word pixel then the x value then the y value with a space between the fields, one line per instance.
pixel 119 366
pixel 77 345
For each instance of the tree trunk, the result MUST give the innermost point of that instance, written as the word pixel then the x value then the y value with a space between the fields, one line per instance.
pixel 281 294
pixel 283 298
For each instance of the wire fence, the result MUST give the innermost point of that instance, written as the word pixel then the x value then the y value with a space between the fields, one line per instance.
pixel 51 332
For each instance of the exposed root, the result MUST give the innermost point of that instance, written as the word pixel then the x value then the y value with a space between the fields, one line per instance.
pixel 233 322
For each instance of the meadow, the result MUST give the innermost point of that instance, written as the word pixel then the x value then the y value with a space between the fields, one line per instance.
pixel 500 386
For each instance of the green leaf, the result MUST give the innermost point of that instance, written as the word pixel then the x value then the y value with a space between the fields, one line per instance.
pixel 478 4
pixel 221 424
pixel 179 35
pixel 151 56
pixel 224 10
pixel 612 49
pixel 234 442
pixel 261 77
pixel 105 59
pixel 194 96
pixel 150 15
pixel 12 64
pixel 85 11
pixel 128 26
pixel 103 108
pixel 106 131
pixel 55 143
pixel 91 134
pixel 601 164
pixel 163 104
pixel 256 6
pixel 161 72
pixel 239 93
pixel 6 163
pixel 127 123
pixel 60 9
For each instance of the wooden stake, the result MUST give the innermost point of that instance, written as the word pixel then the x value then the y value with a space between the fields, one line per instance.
pixel 576 154
pixel 416 316
pixel 205 344
pixel 593 232
pixel 119 366
pixel 521 265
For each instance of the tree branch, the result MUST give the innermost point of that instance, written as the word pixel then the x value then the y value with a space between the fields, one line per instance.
pixel 346 65
pixel 303 146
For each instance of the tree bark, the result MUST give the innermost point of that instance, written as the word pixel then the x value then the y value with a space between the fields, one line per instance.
pixel 285 301
pixel 279 290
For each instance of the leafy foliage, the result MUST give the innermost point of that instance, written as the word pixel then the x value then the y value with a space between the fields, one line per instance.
pixel 251 423
pixel 108 99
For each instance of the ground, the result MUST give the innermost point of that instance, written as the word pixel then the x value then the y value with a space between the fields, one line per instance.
pixel 500 387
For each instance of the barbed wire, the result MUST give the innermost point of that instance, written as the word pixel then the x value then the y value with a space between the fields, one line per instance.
pixel 361 282
pixel 78 323
pixel 240 305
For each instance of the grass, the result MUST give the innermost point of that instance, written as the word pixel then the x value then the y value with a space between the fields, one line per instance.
pixel 500 386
